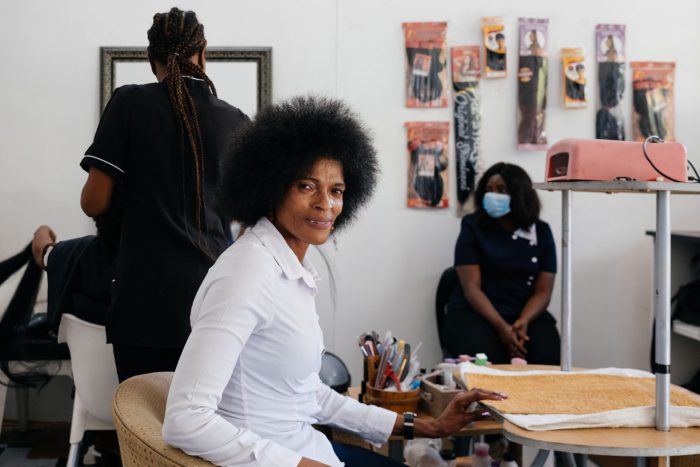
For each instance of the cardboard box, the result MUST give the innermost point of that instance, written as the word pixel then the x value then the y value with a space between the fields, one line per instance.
pixel 434 396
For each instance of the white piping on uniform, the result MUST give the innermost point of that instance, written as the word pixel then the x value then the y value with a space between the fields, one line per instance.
pixel 108 163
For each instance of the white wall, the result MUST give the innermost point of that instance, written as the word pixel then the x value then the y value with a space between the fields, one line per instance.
pixel 388 264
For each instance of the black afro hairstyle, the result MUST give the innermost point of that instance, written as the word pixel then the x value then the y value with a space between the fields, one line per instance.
pixel 281 146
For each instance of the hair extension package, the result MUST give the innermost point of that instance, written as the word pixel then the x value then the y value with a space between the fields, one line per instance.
pixel 652 98
pixel 532 83
pixel 610 55
pixel 427 161
pixel 426 64
pixel 574 78
pixel 467 117
pixel 494 38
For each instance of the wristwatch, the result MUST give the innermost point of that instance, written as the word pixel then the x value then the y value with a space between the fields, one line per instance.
pixel 408 418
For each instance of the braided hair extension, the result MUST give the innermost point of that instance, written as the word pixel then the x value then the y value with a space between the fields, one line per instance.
pixel 173 39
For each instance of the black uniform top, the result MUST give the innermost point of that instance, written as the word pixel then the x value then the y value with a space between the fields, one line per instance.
pixel 159 266
pixel 509 263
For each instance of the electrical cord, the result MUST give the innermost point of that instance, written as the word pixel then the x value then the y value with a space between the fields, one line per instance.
pixel 657 139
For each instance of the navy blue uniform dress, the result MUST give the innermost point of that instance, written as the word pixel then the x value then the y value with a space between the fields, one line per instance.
pixel 509 267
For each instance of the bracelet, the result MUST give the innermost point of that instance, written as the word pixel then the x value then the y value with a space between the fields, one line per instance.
pixel 44 252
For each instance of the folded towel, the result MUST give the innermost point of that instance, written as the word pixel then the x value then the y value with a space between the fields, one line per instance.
pixel 605 397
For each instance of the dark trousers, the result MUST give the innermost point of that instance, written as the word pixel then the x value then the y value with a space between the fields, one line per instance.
pixel 356 456
pixel 465 332
pixel 133 360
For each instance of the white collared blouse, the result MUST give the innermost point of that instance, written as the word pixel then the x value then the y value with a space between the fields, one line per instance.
pixel 246 389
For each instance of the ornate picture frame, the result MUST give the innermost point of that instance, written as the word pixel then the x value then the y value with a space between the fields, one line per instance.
pixel 259 57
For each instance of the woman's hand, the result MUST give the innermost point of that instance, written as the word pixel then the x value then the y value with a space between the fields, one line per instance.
pixel 512 341
pixel 520 328
pixel 456 415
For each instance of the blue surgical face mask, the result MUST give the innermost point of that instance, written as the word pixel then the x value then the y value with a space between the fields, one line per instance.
pixel 496 204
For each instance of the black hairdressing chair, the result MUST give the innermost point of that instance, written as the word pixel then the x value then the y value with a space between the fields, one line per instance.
pixel 334 372
pixel 449 281
pixel 24 336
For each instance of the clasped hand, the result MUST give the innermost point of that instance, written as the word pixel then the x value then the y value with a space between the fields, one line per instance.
pixel 514 338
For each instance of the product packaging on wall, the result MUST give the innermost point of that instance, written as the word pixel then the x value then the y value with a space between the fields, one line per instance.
pixel 426 64
pixel 653 100
pixel 467 117
pixel 427 164
pixel 532 83
pixel 574 78
pixel 610 55
pixel 494 39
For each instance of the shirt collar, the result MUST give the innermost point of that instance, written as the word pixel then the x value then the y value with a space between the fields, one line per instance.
pixel 529 234
pixel 273 240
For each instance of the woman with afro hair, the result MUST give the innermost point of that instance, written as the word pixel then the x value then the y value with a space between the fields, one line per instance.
pixel 246 390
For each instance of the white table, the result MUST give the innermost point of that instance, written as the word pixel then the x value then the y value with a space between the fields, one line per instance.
pixel 662 272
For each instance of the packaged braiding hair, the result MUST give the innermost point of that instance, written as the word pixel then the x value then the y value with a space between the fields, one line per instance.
pixel 653 100
pixel 574 78
pixel 427 164
pixel 467 117
pixel 532 83
pixel 426 64
pixel 610 55
pixel 494 39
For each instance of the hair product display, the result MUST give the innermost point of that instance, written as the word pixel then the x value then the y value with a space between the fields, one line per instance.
pixel 427 164
pixel 610 55
pixel 494 39
pixel 532 83
pixel 467 116
pixel 652 98
pixel 426 64
pixel 574 78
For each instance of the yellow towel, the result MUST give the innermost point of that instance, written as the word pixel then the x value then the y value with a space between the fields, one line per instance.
pixel 564 393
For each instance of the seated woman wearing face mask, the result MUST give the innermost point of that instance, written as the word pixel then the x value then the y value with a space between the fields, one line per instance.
pixel 506 261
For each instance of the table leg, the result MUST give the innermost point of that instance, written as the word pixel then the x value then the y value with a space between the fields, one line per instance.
pixel 640 462
pixel 3 397
pixel 662 308
pixel 566 196
pixel 569 459
pixel 396 450
pixel 22 395
pixel 540 458
pixel 664 462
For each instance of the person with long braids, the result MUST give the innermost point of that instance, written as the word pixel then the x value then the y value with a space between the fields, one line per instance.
pixel 161 144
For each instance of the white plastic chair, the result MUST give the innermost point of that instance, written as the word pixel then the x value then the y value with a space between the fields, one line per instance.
pixel 94 376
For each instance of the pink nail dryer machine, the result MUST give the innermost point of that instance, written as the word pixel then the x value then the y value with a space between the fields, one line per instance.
pixel 600 159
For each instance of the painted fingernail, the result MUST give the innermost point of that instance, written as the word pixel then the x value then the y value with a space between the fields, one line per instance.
pixel 486 414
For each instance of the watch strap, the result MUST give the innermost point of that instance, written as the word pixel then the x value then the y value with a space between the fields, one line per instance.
pixel 408 420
